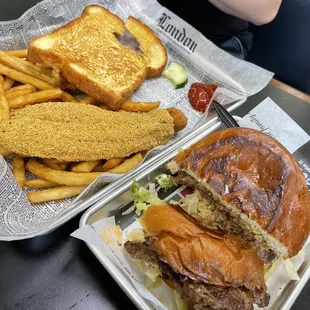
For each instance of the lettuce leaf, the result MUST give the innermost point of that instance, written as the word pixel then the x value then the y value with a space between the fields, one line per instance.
pixel 135 187
pixel 146 196
pixel 165 181
pixel 143 198
pixel 140 207
pixel 270 270
pixel 290 269
pixel 181 305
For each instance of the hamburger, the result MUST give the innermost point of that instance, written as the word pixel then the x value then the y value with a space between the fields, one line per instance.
pixel 246 183
pixel 208 268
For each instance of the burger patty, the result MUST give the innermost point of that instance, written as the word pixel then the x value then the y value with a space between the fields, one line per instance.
pixel 225 221
pixel 199 295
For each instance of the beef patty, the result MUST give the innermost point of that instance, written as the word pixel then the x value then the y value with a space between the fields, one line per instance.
pixel 226 221
pixel 199 295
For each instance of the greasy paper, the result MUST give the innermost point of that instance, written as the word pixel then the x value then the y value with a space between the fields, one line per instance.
pixel 201 58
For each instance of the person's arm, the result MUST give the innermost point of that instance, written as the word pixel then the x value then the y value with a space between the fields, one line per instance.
pixel 258 12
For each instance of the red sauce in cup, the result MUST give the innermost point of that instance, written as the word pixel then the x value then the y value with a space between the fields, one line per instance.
pixel 200 94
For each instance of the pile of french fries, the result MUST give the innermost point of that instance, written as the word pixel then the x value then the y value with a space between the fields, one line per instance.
pixel 24 83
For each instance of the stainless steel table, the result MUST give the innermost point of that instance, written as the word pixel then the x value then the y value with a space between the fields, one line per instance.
pixel 59 272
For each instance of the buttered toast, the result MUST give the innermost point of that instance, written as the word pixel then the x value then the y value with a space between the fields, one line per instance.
pixel 150 45
pixel 88 54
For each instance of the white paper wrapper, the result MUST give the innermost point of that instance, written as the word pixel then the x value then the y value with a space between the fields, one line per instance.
pixel 292 137
pixel 92 234
pixel 273 121
pixel 202 59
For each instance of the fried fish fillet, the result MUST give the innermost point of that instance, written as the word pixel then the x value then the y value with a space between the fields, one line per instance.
pixel 76 132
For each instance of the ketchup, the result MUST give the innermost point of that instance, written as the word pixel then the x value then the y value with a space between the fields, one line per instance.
pixel 199 95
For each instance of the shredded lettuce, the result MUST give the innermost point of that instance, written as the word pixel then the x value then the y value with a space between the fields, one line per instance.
pixel 270 271
pixel 136 235
pixel 145 195
pixel 190 203
pixel 152 188
pixel 135 187
pixel 155 284
pixel 143 198
pixel 290 269
pixel 302 252
pixel 141 265
pixel 153 274
pixel 165 181
pixel 181 305
pixel 140 207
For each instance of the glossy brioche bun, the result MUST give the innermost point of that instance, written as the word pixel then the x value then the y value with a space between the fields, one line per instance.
pixel 195 251
pixel 253 174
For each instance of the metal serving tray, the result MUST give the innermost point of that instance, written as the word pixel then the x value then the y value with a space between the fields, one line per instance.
pixel 115 198
pixel 210 119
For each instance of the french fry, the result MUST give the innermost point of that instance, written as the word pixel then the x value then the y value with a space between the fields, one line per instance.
pixel 55 193
pixel 56 161
pixel 62 81
pixel 24 78
pixel 38 97
pixel 72 165
pixel 19 170
pixel 144 153
pixel 49 163
pixel 108 165
pixel 67 97
pixel 128 164
pixel 39 68
pixel 61 177
pixel 112 163
pixel 4 152
pixel 8 83
pixel 4 107
pixel 18 53
pixel 85 166
pixel 40 183
pixel 88 100
pixel 1 85
pixel 104 107
pixel 63 166
pixel 55 166
pixel 18 91
pixel 28 68
pixel 132 106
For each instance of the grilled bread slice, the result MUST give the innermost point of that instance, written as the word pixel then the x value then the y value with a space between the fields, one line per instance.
pixel 89 55
pixel 150 45
pixel 63 83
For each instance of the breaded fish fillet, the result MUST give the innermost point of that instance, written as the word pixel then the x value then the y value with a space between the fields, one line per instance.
pixel 78 132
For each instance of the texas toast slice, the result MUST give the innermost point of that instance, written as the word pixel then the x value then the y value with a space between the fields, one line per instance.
pixel 88 54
